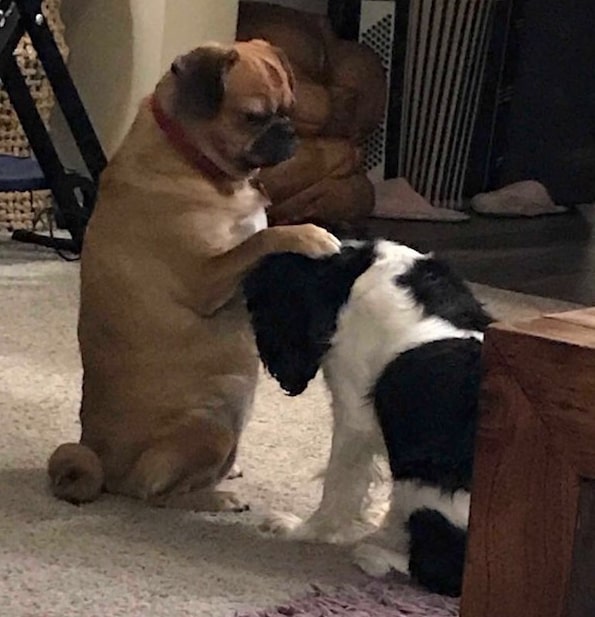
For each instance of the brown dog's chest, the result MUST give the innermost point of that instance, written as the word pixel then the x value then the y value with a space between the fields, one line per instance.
pixel 247 206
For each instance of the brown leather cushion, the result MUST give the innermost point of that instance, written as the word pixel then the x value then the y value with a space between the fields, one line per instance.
pixel 340 85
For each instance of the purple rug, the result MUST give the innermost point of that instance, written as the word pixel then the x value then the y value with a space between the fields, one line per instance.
pixel 374 599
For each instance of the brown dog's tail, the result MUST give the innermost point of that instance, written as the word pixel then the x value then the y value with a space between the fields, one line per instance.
pixel 76 473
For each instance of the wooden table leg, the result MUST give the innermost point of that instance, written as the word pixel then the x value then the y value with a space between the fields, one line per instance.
pixel 581 598
pixel 535 447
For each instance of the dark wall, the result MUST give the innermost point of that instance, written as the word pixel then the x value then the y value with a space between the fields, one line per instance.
pixel 551 124
pixel 537 113
pixel 344 17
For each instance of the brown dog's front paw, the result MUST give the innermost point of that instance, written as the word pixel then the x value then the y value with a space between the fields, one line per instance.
pixel 314 241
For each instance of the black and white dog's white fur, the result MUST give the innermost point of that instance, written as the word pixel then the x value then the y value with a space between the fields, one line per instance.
pixel 398 336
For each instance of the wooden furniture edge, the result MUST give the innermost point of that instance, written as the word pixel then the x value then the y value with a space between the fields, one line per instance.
pixel 541 439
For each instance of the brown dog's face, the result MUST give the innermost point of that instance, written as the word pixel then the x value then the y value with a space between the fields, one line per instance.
pixel 234 104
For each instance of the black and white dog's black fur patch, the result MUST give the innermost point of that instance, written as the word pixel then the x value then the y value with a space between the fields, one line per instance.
pixel 398 336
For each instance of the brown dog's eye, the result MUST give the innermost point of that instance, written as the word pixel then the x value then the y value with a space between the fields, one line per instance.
pixel 258 118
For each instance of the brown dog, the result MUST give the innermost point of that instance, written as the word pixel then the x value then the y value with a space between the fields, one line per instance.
pixel 169 360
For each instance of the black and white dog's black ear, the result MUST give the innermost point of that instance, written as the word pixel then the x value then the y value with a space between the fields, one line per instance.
pixel 282 298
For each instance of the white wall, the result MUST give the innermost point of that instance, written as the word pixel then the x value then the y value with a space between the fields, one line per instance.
pixel 119 49
pixel 190 22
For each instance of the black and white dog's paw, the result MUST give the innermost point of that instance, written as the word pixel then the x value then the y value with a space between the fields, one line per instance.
pixel 315 529
pixel 280 524
pixel 372 516
pixel 378 562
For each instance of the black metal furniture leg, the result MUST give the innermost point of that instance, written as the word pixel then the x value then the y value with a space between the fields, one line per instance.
pixel 59 181
pixel 74 193
pixel 64 89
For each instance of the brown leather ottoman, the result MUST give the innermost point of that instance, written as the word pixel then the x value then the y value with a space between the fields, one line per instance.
pixel 531 547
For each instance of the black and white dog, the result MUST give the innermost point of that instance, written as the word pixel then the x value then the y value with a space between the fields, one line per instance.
pixel 398 336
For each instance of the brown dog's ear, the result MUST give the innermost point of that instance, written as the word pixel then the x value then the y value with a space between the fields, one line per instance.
pixel 290 317
pixel 286 64
pixel 200 80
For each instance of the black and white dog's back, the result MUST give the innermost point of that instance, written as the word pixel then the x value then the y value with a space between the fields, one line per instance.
pixel 398 336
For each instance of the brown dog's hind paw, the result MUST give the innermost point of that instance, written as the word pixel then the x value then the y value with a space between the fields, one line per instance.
pixel 235 472
pixel 201 501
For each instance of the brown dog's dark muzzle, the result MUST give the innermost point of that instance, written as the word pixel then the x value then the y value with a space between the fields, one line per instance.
pixel 277 144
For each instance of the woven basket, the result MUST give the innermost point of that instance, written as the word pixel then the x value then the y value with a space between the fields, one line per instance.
pixel 19 210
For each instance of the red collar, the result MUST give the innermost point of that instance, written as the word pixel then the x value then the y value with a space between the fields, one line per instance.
pixel 177 138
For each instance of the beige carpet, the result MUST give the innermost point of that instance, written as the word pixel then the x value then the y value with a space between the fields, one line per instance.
pixel 116 558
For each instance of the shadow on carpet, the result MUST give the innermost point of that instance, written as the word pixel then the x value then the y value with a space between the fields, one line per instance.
pixel 372 599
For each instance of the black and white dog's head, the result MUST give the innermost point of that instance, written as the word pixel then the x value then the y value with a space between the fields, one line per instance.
pixel 294 301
